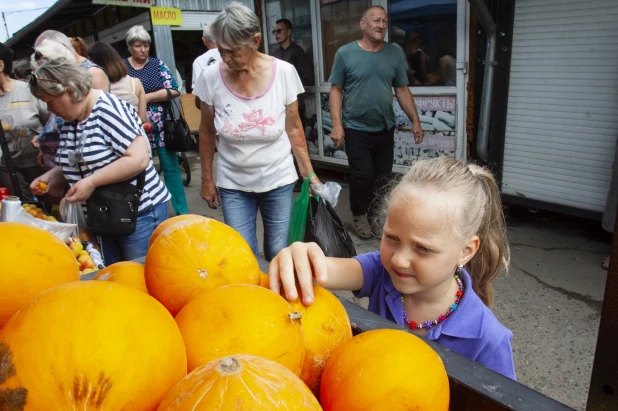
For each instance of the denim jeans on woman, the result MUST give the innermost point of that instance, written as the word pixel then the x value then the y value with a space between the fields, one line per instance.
pixel 240 211
pixel 134 246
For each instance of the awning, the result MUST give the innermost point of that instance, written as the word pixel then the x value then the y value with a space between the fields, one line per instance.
pixel 61 14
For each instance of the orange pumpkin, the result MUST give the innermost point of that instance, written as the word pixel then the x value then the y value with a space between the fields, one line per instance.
pixel 326 326
pixel 196 255
pixel 31 261
pixel 264 280
pixel 90 345
pixel 241 319
pixel 384 370
pixel 125 272
pixel 161 227
pixel 240 382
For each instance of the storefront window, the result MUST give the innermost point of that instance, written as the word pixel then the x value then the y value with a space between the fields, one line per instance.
pixel 340 26
pixel 426 31
pixel 298 12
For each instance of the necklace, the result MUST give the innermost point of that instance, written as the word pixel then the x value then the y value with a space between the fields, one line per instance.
pixel 429 324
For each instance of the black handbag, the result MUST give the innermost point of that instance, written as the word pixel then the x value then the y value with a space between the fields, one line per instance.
pixel 112 209
pixel 176 132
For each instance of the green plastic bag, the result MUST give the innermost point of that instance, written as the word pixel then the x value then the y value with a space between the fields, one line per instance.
pixel 298 220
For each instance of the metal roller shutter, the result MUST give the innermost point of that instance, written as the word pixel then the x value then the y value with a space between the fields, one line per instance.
pixel 562 116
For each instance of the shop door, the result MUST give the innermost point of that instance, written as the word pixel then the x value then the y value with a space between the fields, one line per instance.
pixel 562 115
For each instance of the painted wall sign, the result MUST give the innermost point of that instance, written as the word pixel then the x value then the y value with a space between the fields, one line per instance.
pixel 166 16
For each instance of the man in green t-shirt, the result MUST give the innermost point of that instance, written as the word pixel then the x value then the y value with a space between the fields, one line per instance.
pixel 361 108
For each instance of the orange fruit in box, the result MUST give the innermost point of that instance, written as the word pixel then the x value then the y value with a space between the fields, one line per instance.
pixel 326 326
pixel 240 382
pixel 196 255
pixel 384 370
pixel 161 227
pixel 125 272
pixel 31 261
pixel 241 319
pixel 90 345
pixel 264 280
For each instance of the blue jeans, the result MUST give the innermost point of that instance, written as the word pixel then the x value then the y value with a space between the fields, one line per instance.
pixel 240 211
pixel 134 246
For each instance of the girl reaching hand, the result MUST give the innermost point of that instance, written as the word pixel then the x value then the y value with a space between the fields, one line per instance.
pixel 443 244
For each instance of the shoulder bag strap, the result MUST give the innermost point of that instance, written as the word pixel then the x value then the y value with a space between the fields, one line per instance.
pixel 172 101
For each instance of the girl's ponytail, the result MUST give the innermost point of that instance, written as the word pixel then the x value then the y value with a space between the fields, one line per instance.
pixel 493 252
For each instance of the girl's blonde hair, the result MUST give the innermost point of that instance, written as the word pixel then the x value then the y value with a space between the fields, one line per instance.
pixel 475 209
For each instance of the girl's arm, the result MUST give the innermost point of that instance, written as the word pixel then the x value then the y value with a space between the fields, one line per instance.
pixel 134 161
pixel 141 95
pixel 306 261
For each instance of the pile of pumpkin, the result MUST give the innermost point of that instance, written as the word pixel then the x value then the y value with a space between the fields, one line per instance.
pixel 200 305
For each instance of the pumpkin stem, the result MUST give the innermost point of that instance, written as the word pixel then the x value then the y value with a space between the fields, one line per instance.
pixel 229 365
pixel 296 315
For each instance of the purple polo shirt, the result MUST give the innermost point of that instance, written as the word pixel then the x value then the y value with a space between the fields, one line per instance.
pixel 471 330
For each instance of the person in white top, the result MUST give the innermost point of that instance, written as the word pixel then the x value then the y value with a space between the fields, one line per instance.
pixel 209 58
pixel 251 100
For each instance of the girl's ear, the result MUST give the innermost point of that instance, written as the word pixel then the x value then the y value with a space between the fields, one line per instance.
pixel 469 249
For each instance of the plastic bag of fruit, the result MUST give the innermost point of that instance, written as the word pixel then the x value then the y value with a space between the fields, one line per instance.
pixel 73 213
pixel 47 223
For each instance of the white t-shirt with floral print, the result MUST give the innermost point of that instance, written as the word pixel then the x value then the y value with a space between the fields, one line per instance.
pixel 254 148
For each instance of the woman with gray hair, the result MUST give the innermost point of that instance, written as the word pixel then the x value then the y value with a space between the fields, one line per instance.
pixel 251 100
pixel 52 44
pixel 156 77
pixel 99 145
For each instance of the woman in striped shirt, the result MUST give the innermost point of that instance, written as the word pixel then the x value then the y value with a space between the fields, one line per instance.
pixel 100 131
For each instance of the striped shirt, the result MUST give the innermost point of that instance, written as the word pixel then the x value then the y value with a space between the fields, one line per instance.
pixel 105 135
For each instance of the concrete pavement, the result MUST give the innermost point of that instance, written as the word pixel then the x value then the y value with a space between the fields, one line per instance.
pixel 551 297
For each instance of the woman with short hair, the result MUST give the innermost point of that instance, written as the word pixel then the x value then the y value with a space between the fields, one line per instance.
pixel 156 77
pixel 127 88
pixel 99 145
pixel 251 100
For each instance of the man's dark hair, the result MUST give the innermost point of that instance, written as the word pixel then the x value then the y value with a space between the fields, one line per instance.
pixel 6 55
pixel 287 23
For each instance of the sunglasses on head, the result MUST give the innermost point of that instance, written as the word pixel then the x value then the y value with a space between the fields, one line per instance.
pixel 277 31
pixel 34 79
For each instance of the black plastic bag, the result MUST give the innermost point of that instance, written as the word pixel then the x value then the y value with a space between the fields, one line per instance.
pixel 326 229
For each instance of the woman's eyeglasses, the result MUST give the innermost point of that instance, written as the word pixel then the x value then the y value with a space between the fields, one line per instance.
pixel 34 79
pixel 277 31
